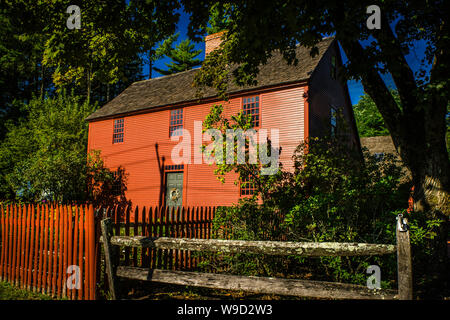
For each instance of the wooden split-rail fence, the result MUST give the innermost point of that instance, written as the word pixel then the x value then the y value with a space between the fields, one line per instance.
pixel 293 287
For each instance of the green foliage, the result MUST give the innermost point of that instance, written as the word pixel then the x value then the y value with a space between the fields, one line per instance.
pixel 258 29
pixel 21 73
pixel 182 56
pixel 39 54
pixel 334 194
pixel 45 157
pixel 103 46
pixel 369 121
pixel 219 18
pixel 331 196
pixel 112 36
pixel 252 170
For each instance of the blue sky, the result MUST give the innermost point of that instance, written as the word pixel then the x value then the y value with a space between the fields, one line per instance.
pixel 355 88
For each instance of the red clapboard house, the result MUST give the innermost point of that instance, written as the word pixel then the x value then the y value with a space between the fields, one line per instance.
pixel 134 130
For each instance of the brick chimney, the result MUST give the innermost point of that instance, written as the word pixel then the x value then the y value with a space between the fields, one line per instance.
pixel 213 41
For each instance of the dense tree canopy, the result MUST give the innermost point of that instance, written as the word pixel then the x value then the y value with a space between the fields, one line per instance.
pixel 45 155
pixel 369 121
pixel 40 58
pixel 418 127
pixel 113 34
pixel 219 18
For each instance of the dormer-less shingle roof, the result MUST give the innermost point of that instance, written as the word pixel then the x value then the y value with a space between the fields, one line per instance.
pixel 177 88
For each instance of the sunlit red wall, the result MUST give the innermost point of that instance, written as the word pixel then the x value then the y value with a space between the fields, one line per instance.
pixel 281 108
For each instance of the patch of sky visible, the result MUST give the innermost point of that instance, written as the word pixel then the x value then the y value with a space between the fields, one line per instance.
pixel 182 27
pixel 413 58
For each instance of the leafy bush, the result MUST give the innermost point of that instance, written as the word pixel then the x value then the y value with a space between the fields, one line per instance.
pixel 334 194
pixel 45 156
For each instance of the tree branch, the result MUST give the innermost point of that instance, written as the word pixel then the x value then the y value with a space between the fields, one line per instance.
pixel 398 67
pixel 373 84
pixel 441 68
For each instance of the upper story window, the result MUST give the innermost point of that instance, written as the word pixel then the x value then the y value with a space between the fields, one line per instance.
pixel 118 130
pixel 250 105
pixel 176 123
pixel 333 71
pixel 333 120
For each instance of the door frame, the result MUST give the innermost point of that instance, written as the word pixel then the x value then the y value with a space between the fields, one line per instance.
pixel 178 170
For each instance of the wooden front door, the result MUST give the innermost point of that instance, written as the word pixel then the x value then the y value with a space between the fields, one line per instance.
pixel 174 189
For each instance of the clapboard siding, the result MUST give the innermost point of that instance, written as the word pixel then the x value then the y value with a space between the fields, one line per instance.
pixel 282 109
pixel 285 110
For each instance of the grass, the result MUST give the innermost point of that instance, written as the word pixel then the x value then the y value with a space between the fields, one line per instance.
pixel 10 292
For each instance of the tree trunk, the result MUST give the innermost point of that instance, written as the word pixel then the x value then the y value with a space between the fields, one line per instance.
pixel 420 142
pixel 418 132
pixel 422 147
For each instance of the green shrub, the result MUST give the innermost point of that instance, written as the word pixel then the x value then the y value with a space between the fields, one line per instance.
pixel 336 195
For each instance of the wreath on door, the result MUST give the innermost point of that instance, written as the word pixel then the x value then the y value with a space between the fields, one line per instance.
pixel 174 194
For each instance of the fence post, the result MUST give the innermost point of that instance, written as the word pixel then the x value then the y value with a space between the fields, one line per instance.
pixel 3 233
pixel 106 226
pixel 91 252
pixel 404 265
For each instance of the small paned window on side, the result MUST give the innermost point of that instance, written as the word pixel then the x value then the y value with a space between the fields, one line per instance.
pixel 333 121
pixel 176 122
pixel 250 106
pixel 118 130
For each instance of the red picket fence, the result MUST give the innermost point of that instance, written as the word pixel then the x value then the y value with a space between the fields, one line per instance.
pixel 181 222
pixel 178 222
pixel 40 242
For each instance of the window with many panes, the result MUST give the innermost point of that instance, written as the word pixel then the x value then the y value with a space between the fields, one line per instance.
pixel 176 123
pixel 250 106
pixel 118 130
pixel 247 187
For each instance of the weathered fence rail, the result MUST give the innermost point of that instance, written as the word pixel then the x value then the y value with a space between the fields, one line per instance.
pixel 285 248
pixel 293 287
